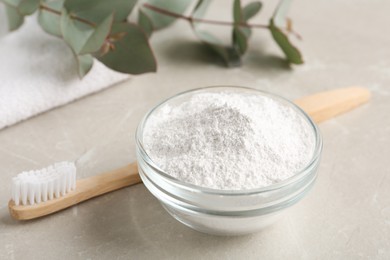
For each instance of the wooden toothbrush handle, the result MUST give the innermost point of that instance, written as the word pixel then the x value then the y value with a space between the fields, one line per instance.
pixel 328 104
pixel 85 189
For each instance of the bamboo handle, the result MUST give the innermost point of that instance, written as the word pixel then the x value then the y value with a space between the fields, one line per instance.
pixel 328 104
pixel 85 189
pixel 320 107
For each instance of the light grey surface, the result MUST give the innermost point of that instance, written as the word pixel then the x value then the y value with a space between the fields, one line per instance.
pixel 345 216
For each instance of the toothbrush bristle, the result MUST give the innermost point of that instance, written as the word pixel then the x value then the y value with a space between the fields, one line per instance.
pixel 44 184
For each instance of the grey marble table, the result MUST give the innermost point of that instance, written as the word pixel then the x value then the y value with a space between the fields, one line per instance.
pixel 345 216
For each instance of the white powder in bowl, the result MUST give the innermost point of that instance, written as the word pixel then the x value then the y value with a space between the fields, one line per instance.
pixel 229 140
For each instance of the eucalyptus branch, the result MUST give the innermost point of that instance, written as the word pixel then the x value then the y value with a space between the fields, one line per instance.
pixel 175 15
pixel 51 10
pixel 215 22
pixel 124 46
pixel 206 21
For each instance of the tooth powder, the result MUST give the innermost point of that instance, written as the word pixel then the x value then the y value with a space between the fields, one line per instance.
pixel 229 141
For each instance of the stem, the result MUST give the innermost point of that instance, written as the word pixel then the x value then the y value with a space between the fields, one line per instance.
pixel 46 8
pixel 297 35
pixel 172 14
pixel 215 22
pixel 192 19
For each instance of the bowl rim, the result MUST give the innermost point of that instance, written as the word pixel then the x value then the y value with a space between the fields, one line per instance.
pixel 195 188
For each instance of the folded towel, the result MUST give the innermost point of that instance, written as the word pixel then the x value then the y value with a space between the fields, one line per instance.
pixel 38 72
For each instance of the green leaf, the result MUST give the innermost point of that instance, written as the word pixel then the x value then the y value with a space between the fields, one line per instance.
pixel 240 40
pixel 240 34
pixel 76 38
pixel 292 53
pixel 50 22
pixel 200 9
pixel 160 21
pixel 28 7
pixel 98 36
pixel 230 55
pixel 145 23
pixel 279 17
pixel 251 10
pixel 85 63
pixel 131 52
pixel 73 35
pixel 15 19
pixel 237 12
pixel 14 3
pixel 97 10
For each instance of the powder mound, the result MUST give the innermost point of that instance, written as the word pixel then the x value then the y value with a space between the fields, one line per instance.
pixel 229 140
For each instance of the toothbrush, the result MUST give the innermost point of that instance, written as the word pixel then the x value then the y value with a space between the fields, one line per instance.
pixel 43 192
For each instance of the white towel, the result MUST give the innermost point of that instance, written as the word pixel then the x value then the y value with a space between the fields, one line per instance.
pixel 38 72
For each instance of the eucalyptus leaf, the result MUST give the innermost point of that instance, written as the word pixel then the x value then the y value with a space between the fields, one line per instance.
pixel 230 55
pixel 130 53
pixel 14 3
pixel 200 9
pixel 97 10
pixel 240 40
pixel 145 23
pixel 160 21
pixel 251 10
pixel 73 35
pixel 49 21
pixel 237 12
pixel 292 53
pixel 246 31
pixel 84 63
pixel 28 7
pixel 98 36
pixel 76 39
pixel 279 17
pixel 15 19
pixel 240 34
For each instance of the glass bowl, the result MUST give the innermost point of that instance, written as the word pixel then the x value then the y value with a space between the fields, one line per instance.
pixel 225 212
